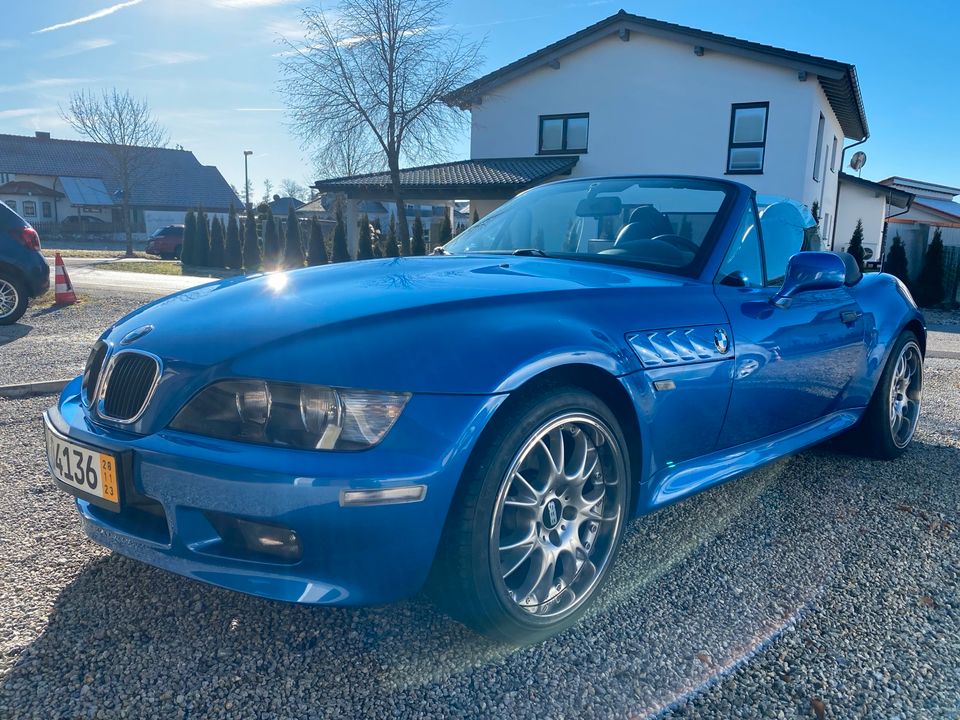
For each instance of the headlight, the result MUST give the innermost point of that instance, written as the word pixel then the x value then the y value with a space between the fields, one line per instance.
pixel 286 414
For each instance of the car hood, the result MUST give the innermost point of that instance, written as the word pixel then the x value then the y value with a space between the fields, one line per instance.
pixel 430 324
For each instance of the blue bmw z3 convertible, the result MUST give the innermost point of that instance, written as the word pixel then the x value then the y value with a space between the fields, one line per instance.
pixel 487 418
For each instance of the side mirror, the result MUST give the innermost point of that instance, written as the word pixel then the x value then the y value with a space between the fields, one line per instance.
pixel 808 271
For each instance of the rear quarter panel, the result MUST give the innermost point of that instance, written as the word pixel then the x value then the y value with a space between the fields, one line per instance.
pixel 887 310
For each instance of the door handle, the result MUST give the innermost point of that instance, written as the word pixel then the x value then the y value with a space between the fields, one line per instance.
pixel 850 316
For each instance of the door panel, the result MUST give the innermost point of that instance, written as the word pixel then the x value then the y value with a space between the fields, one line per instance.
pixel 792 364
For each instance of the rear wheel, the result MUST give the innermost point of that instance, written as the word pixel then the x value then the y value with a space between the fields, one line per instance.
pixel 13 299
pixel 536 529
pixel 891 418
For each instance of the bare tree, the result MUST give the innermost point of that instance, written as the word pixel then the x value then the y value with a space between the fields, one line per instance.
pixel 267 190
pixel 376 76
pixel 291 188
pixel 129 133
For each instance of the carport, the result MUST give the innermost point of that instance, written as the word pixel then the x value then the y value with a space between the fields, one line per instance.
pixel 485 182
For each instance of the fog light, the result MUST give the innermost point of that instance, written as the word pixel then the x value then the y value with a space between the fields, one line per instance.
pixel 383 496
pixel 274 540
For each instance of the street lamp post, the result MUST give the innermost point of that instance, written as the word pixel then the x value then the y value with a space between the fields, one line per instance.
pixel 246 178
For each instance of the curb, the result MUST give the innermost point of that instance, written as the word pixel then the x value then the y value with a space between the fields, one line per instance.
pixel 44 387
pixel 943 354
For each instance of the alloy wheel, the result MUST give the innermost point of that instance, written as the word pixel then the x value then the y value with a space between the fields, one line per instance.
pixel 558 515
pixel 9 298
pixel 905 388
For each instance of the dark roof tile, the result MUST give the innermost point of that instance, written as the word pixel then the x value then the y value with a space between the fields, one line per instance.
pixel 508 175
pixel 175 179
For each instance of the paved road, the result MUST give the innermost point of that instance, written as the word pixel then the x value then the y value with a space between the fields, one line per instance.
pixel 87 278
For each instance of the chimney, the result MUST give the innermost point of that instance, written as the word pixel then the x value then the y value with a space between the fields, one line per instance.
pixel 42 135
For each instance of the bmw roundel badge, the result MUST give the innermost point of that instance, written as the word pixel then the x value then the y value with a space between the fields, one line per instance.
pixel 721 340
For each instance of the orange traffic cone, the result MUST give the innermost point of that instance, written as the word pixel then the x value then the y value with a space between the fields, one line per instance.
pixel 64 290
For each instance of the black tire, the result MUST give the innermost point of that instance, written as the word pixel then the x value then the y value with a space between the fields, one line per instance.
pixel 468 580
pixel 875 436
pixel 14 292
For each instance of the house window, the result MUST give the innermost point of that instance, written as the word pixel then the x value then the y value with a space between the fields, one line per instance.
pixel 748 138
pixel 833 155
pixel 29 208
pixel 47 209
pixel 4 178
pixel 563 133
pixel 12 204
pixel 816 159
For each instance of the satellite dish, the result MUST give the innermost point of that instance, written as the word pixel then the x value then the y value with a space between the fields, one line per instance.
pixel 858 160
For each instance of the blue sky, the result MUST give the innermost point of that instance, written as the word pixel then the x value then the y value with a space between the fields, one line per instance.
pixel 209 67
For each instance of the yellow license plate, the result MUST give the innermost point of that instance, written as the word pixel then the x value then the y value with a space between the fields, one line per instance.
pixel 83 471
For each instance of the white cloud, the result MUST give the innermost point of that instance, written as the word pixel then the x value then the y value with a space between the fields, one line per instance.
pixel 92 16
pixel 44 82
pixel 80 47
pixel 171 57
pixel 17 112
pixel 244 4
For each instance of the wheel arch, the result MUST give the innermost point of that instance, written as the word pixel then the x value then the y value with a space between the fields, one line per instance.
pixel 593 379
pixel 614 395
pixel 917 328
pixel 14 271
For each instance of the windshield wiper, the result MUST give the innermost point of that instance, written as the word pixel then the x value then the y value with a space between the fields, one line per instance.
pixel 530 252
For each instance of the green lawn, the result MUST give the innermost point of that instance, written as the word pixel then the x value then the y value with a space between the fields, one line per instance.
pixel 105 254
pixel 167 268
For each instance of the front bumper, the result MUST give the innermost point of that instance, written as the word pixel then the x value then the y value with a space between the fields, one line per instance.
pixel 173 483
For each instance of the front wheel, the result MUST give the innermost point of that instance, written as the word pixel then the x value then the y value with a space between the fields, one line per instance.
pixel 891 418
pixel 538 524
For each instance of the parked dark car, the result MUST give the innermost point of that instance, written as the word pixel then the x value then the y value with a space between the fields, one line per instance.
pixel 166 242
pixel 23 271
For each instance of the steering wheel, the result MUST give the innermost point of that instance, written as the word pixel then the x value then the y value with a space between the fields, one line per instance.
pixel 681 243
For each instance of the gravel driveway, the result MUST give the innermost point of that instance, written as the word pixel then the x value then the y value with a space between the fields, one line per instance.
pixel 53 342
pixel 821 585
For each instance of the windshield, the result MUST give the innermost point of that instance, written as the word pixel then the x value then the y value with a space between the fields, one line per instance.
pixel 667 224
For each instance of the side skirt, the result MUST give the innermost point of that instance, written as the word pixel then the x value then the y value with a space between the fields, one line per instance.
pixel 692 476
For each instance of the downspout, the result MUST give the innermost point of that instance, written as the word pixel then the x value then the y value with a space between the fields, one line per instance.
pixel 836 202
pixel 883 238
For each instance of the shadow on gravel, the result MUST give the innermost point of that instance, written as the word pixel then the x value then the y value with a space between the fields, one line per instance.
pixel 52 309
pixel 10 333
pixel 699 587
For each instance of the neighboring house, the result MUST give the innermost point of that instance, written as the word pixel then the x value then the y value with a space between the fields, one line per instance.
pixel 933 207
pixel 635 95
pixel 280 206
pixel 870 203
pixel 68 186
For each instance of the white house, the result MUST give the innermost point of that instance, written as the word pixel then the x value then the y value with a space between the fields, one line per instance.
pixel 871 204
pixel 635 95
